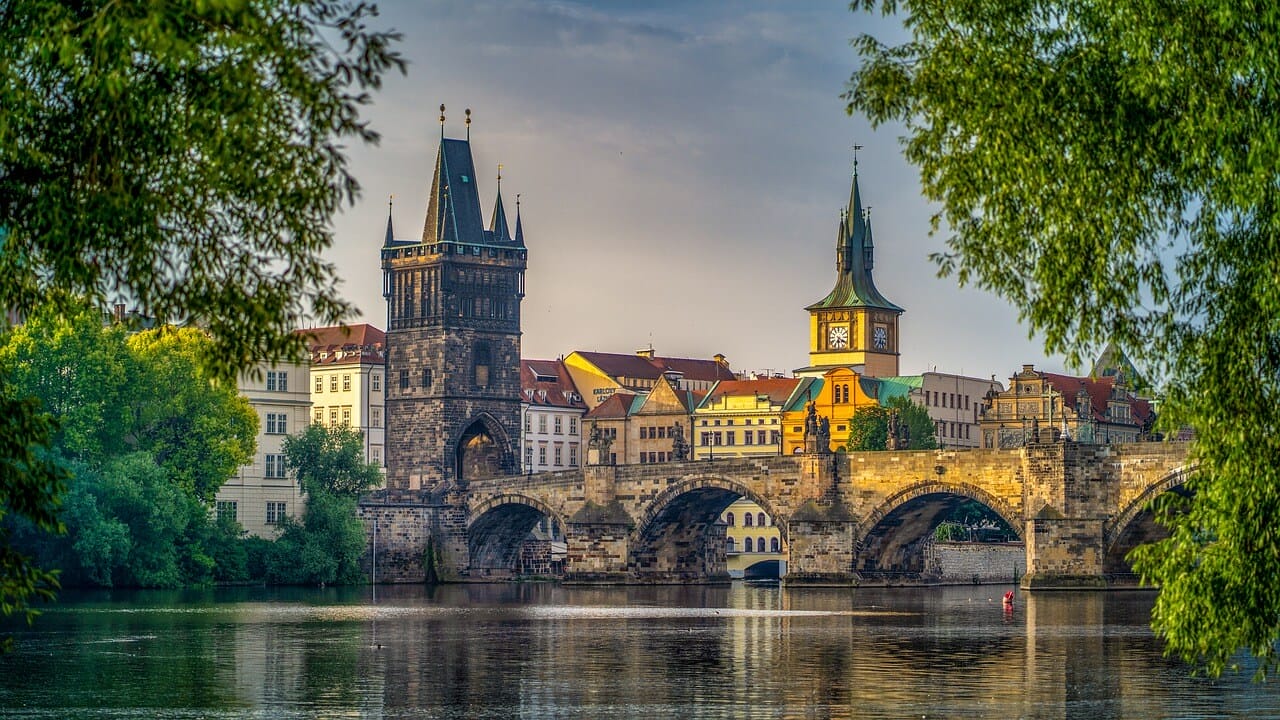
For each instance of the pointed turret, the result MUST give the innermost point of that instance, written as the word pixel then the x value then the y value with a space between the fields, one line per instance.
pixel 868 248
pixel 498 227
pixel 391 235
pixel 519 228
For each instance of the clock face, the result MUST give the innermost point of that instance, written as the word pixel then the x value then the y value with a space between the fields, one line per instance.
pixel 838 337
pixel 880 337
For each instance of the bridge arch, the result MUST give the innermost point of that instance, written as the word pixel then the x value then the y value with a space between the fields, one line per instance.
pixel 498 527
pixel 892 538
pixel 1135 524
pixel 678 537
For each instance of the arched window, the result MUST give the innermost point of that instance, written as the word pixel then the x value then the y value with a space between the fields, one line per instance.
pixel 746 543
pixel 746 519
pixel 728 520
pixel 760 544
pixel 760 520
pixel 774 545
pixel 728 545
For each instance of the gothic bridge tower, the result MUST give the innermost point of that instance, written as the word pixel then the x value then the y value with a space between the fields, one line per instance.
pixel 453 334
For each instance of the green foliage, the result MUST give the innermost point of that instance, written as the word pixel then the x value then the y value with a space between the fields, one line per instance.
pixel 330 460
pixel 186 155
pixel 324 549
pixel 1113 170
pixel 869 426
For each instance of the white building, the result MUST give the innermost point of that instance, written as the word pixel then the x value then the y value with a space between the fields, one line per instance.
pixel 551 415
pixel 953 402
pixel 261 494
pixel 348 382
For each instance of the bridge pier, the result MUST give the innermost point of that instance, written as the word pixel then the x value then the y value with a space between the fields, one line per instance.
pixel 1067 493
pixel 822 552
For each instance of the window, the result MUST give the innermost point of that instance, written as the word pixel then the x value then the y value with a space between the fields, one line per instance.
pixel 542 454
pixel 333 415
pixel 559 427
pixel 573 426
pixel 774 545
pixel 760 544
pixel 346 414
pixel 333 383
pixel 573 454
pixel 760 437
pixel 346 383
pixel 528 457
pixel 481 360
pixel 375 454
pixel 746 544
pixel 747 519
pixel 728 545
pixel 275 513
pixel 226 510
pixel 375 382
pixel 375 417
pixel 613 458
pixel 747 438
pixel 729 437
pixel 728 519
pixel 775 437
pixel 404 379
pixel 276 423
pixel 317 416
pixel 760 520
pixel 319 383
pixel 274 466
pixel 277 381
pixel 542 423
pixel 558 454
pixel 426 377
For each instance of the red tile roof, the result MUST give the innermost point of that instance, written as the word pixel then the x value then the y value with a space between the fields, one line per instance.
pixel 347 345
pixel 1099 390
pixel 778 389
pixel 618 365
pixel 547 383
pixel 617 407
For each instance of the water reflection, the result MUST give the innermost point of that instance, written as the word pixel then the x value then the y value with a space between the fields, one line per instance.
pixel 541 651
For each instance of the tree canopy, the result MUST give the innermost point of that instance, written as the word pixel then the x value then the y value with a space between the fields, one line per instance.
pixel 185 156
pixel 1112 168
pixel 869 426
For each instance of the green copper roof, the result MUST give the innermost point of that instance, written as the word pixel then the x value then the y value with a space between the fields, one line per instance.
pixel 855 257
pixel 896 386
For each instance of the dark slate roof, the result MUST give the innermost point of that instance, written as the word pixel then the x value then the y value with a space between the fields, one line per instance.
pixel 391 234
pixel 519 238
pixel 547 383
pixel 453 212
pixel 854 260
pixel 619 365
pixel 498 228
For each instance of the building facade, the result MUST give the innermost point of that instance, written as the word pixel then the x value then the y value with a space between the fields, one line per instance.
pixel 740 418
pixel 453 297
pixel 348 382
pixel 954 403
pixel 552 411
pixel 260 495
pixel 753 545
pixel 599 375
pixel 1046 407
pixel 641 428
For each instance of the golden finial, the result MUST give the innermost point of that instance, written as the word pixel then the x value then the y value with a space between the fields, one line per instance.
pixel 499 174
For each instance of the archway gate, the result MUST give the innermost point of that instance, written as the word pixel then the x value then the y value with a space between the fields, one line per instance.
pixel 657 522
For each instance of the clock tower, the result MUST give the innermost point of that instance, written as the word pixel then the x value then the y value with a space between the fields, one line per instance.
pixel 854 326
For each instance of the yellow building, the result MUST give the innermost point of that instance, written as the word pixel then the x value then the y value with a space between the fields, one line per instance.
pixel 854 326
pixel 640 427
pixel 836 396
pixel 741 418
pixel 753 545
pixel 348 382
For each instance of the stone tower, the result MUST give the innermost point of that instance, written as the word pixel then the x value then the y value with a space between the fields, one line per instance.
pixel 854 326
pixel 453 335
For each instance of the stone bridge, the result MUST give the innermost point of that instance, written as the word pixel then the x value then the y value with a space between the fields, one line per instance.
pixel 844 518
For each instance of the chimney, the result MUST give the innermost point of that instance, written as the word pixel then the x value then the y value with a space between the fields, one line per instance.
pixel 720 359
pixel 646 353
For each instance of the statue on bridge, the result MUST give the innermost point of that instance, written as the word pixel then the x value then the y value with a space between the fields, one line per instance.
pixel 598 447
pixel 679 446
pixel 817 431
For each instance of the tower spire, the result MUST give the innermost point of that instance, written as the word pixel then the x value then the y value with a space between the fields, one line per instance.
pixel 391 236
pixel 498 227
pixel 519 239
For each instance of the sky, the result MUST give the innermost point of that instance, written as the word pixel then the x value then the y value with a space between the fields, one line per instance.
pixel 681 167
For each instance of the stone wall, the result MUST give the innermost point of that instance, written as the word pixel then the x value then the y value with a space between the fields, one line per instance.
pixel 972 563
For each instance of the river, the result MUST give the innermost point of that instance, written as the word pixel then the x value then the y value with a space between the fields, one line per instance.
pixel 547 651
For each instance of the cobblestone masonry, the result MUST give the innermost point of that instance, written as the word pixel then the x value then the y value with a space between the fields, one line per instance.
pixel 844 519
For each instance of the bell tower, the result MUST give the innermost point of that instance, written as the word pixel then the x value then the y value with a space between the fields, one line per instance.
pixel 453 333
pixel 854 326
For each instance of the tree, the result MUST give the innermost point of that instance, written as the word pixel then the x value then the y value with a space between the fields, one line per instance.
pixel 331 460
pixel 869 426
pixel 325 548
pixel 1113 170
pixel 186 155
